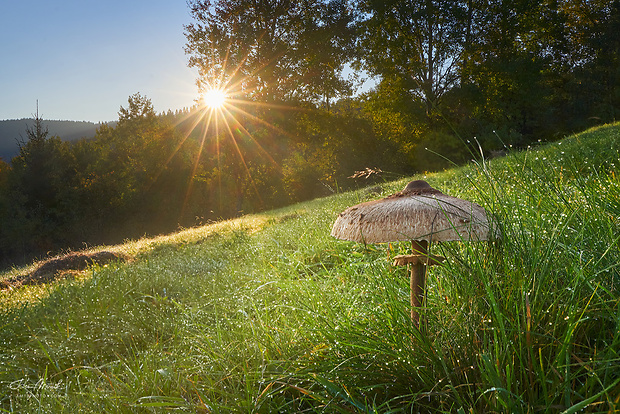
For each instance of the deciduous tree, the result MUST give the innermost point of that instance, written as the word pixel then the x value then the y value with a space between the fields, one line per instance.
pixel 420 41
pixel 271 50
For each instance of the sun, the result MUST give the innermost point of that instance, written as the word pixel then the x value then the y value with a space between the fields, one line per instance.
pixel 215 98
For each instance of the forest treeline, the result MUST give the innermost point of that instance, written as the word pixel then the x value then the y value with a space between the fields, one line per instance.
pixel 12 132
pixel 452 78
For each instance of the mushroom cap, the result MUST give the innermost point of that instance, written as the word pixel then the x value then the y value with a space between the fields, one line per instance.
pixel 419 212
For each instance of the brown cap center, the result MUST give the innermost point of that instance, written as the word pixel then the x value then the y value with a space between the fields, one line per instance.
pixel 419 187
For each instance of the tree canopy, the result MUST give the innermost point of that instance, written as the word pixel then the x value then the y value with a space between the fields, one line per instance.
pixel 272 50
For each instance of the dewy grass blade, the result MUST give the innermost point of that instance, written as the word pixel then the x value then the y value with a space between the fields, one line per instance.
pixel 583 404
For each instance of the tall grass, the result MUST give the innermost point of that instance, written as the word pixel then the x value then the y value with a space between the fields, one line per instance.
pixel 273 315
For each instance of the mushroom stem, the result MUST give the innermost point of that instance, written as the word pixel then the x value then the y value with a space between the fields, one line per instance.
pixel 418 280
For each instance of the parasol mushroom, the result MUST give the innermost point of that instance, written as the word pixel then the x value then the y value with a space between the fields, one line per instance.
pixel 422 215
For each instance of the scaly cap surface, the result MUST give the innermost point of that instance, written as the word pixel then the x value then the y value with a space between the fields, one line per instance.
pixel 419 212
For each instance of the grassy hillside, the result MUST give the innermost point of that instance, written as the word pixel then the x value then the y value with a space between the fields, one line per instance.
pixel 268 313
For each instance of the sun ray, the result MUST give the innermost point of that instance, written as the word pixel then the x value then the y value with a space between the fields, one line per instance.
pixel 178 146
pixel 262 121
pixel 228 97
pixel 189 131
pixel 219 164
pixel 242 158
pixel 228 111
pixel 258 145
pixel 190 184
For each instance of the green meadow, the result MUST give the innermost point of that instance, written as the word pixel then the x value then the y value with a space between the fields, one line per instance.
pixel 268 313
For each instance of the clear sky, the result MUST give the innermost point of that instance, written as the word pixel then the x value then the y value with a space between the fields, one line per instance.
pixel 82 59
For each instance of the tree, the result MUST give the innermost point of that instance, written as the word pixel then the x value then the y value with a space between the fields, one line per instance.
pixel 41 191
pixel 538 69
pixel 397 117
pixel 270 50
pixel 598 72
pixel 138 107
pixel 419 41
pixel 129 159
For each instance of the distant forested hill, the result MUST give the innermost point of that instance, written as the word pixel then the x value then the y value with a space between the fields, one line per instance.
pixel 14 130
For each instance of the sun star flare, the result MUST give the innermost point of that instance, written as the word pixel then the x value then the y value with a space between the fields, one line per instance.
pixel 215 98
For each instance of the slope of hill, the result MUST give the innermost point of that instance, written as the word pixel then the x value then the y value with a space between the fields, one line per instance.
pixel 268 313
pixel 14 130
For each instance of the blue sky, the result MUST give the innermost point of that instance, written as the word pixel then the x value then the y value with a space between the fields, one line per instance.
pixel 82 59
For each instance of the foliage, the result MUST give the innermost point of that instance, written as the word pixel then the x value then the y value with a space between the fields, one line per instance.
pixel 40 185
pixel 521 68
pixel 152 173
pixel 268 313
pixel 537 70
pixel 60 195
pixel 420 41
pixel 254 47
